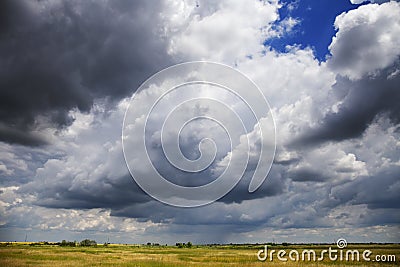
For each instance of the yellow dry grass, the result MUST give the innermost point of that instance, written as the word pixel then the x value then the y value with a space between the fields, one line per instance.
pixel 125 255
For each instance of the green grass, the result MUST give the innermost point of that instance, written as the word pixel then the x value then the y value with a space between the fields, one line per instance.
pixel 123 255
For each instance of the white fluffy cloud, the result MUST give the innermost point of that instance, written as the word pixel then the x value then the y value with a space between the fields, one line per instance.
pixel 355 2
pixel 367 39
pixel 227 31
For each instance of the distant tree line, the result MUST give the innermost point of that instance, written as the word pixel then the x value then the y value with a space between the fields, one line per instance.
pixel 83 243
pixel 153 244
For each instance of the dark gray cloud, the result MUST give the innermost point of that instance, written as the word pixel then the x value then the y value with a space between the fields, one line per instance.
pixel 274 185
pixel 122 195
pixel 56 57
pixel 12 135
pixel 362 101
pixel 379 191
pixel 103 194
pixel 307 175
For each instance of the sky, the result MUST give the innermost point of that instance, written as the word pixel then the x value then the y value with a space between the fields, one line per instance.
pixel 314 24
pixel 330 71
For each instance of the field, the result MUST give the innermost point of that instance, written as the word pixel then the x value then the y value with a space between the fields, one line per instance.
pixel 23 254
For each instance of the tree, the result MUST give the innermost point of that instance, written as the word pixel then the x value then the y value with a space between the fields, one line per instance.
pixel 65 243
pixel 88 243
pixel 189 244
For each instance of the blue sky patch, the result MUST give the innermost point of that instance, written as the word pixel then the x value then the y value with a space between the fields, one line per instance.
pixel 316 24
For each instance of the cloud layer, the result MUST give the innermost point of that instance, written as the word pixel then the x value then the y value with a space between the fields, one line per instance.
pixel 68 74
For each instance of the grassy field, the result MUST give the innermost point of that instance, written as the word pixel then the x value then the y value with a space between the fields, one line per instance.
pixel 22 254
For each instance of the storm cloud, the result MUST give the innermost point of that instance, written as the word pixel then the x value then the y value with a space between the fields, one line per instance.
pixel 361 103
pixel 59 56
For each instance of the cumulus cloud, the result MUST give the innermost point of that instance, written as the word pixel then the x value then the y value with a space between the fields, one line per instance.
pixel 360 103
pixel 217 30
pixel 91 171
pixel 365 55
pixel 366 40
